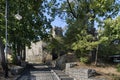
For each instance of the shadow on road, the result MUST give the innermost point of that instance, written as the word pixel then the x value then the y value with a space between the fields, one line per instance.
pixel 32 70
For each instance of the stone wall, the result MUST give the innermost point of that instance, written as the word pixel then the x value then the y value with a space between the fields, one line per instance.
pixel 36 54
pixel 81 73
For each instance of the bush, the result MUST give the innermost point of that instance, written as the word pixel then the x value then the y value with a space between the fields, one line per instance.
pixel 84 59
pixel 14 59
pixel 9 58
pixel 115 77
pixel 118 67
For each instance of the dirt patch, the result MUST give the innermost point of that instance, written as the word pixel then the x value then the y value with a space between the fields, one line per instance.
pixel 105 71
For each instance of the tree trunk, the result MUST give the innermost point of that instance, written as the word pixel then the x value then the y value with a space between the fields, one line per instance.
pixel 2 55
pixel 14 47
pixel 3 59
pixel 18 49
pixel 18 54
pixel 24 53
pixel 96 56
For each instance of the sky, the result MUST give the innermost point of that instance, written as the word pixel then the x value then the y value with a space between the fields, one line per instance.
pixel 61 23
pixel 58 22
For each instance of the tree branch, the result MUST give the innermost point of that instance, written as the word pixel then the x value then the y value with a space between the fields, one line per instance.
pixel 73 13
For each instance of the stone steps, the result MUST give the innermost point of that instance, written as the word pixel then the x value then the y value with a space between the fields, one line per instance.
pixel 62 75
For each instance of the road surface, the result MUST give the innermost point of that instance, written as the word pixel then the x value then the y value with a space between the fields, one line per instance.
pixel 38 72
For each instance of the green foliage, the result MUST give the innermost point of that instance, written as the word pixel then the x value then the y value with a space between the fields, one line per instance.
pixel 84 59
pixel 112 32
pixel 14 58
pixel 112 29
pixel 56 44
pixel 84 43
pixel 80 16
pixel 115 77
pixel 118 67
pixel 33 26
pixel 77 36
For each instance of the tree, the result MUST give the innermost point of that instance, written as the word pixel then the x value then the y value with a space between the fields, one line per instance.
pixel 112 31
pixel 34 25
pixel 56 44
pixel 2 56
pixel 81 16
pixel 3 59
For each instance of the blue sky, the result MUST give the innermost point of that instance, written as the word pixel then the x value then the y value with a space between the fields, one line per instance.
pixel 58 22
pixel 61 23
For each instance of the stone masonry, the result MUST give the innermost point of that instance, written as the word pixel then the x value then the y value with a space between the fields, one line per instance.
pixel 36 54
pixel 81 73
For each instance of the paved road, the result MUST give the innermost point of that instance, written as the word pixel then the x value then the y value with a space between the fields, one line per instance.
pixel 38 72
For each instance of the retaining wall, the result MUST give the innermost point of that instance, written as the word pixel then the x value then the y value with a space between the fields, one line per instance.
pixel 81 73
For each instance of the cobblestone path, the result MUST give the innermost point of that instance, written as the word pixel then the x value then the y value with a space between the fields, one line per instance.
pixel 38 72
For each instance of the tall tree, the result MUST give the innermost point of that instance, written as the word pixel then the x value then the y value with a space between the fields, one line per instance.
pixel 112 31
pixel 33 26
pixel 3 60
pixel 81 16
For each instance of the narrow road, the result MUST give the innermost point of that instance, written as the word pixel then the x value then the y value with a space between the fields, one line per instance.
pixel 37 72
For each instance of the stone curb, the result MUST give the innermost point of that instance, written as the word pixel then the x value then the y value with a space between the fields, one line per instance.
pixel 62 76
pixel 55 74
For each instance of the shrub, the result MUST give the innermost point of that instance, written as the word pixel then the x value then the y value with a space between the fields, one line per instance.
pixel 9 58
pixel 84 59
pixel 14 59
pixel 118 67
pixel 115 77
